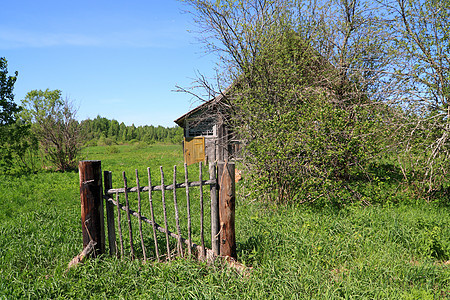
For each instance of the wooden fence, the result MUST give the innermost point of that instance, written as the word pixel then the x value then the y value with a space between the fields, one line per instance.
pixel 222 202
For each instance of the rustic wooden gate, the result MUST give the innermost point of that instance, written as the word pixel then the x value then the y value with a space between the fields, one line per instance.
pixel 222 203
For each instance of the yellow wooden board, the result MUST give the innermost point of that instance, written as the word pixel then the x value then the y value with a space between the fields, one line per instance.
pixel 194 150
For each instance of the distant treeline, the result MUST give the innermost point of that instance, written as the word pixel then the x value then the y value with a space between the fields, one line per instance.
pixel 101 131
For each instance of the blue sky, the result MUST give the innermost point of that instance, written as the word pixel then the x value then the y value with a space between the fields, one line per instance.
pixel 118 59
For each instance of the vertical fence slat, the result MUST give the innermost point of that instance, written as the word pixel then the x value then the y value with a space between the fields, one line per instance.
pixel 92 218
pixel 214 212
pixel 222 193
pixel 110 215
pixel 177 217
pixel 188 206
pixel 140 215
pixel 130 231
pixel 227 202
pixel 150 200
pixel 119 226
pixel 163 196
pixel 202 212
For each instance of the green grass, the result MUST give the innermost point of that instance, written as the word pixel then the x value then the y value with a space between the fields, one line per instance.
pixel 378 252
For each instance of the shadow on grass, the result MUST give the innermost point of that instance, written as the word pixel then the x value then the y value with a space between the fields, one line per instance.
pixel 384 171
pixel 248 251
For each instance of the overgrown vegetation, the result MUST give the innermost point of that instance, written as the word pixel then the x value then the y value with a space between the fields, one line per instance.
pixel 337 104
pixel 383 251
pixel 53 124
pixel 421 76
pixel 323 90
pixel 308 118
pixel 306 130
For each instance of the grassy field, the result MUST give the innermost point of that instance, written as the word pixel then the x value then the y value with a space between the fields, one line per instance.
pixel 376 252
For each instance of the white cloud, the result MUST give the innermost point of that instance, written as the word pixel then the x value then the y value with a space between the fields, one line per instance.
pixel 162 38
pixel 25 39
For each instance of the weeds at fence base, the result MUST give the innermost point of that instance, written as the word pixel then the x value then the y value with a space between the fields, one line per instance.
pixel 217 263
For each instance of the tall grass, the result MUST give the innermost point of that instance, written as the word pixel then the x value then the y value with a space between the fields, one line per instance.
pixel 378 252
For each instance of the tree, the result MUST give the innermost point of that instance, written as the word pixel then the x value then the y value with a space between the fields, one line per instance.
pixel 53 122
pixel 8 109
pixel 421 33
pixel 113 130
pixel 122 132
pixel 303 93
pixel 15 139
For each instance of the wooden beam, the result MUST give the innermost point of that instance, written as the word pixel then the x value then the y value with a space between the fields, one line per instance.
pixel 227 203
pixel 92 218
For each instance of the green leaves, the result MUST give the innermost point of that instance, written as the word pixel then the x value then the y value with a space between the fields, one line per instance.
pixel 8 108
pixel 15 141
pixel 53 122
pixel 305 125
pixel 41 105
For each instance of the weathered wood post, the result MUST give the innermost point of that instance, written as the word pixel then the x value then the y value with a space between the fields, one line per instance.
pixel 107 177
pixel 92 220
pixel 215 223
pixel 227 202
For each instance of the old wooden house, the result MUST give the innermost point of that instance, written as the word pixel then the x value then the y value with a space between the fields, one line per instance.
pixel 208 136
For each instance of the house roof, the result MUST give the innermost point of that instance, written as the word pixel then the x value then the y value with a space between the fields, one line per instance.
pixel 181 120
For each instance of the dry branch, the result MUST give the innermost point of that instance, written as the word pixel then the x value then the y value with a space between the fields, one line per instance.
pixel 188 206
pixel 163 198
pixel 140 222
pixel 130 231
pixel 177 218
pixel 80 257
pixel 119 227
pixel 152 214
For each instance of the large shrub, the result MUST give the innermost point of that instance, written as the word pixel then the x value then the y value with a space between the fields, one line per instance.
pixel 305 126
pixel 306 89
pixel 53 122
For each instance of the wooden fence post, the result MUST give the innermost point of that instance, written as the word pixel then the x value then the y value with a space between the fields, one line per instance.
pixel 227 202
pixel 107 177
pixel 215 247
pixel 92 220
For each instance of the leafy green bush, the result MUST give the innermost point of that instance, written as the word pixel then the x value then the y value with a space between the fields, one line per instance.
pixel 357 252
pixel 307 128
pixel 112 149
pixel 105 141
pixel 53 123
pixel 139 145
pixel 91 143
